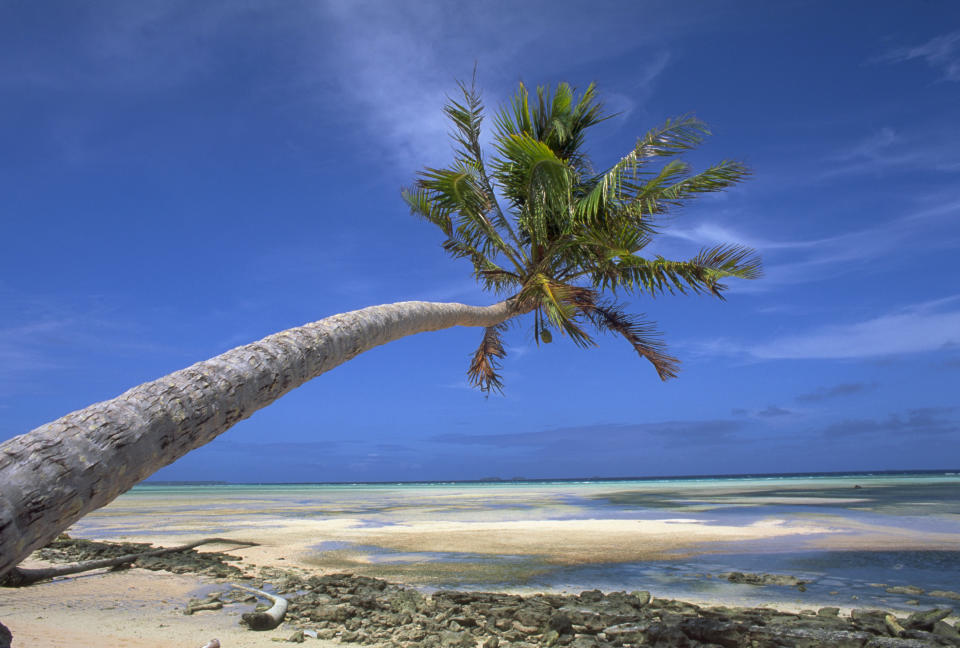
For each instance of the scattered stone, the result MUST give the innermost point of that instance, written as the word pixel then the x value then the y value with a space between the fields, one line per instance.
pixel 909 590
pixel 212 602
pixel 358 609
pixel 765 579
pixel 944 594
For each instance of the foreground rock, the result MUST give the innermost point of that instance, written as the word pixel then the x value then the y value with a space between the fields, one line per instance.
pixel 67 549
pixel 368 611
pixel 362 610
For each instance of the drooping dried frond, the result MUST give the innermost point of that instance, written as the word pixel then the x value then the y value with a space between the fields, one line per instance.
pixel 484 368
pixel 642 335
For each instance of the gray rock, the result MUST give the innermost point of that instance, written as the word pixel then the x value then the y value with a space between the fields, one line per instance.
pixel 296 637
pixel 764 579
pixel 828 612
pixel 927 619
pixel 873 621
pixel 944 594
pixel 782 636
pixel 584 641
pixel 456 640
pixel 626 632
pixel 891 642
pixel 560 623
pixel 642 598
pixel 338 613
pixel 722 633
pixel 944 629
pixel 909 590
pixel 591 596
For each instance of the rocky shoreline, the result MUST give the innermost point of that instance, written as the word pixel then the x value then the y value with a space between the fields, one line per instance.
pixel 369 611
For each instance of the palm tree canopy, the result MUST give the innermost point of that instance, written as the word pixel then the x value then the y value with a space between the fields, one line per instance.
pixel 541 225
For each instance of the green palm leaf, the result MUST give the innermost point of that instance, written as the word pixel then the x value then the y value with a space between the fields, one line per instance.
pixel 567 233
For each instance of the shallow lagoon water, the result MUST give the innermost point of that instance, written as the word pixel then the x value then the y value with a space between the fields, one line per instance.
pixel 916 507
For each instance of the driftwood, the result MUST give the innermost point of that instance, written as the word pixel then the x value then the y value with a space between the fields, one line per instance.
pixel 18 577
pixel 268 619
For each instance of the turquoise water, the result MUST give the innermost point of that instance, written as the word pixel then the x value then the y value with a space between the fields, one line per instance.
pixel 920 511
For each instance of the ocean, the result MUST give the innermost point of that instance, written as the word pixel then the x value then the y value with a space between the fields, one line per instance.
pixel 850 537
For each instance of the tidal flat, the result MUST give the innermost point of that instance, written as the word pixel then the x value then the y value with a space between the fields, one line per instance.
pixel 850 538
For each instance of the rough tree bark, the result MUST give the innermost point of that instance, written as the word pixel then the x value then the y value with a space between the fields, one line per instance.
pixel 59 472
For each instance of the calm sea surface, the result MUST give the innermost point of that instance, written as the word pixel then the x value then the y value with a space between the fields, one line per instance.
pixel 917 506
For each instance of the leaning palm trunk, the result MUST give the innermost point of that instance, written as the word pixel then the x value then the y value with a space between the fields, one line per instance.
pixel 59 472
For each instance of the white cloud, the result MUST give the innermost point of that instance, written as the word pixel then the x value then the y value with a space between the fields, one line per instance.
pixel 915 329
pixel 886 151
pixel 805 260
pixel 941 52
pixel 869 147
pixel 397 66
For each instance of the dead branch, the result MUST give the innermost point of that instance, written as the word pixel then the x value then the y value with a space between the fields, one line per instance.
pixel 269 619
pixel 18 577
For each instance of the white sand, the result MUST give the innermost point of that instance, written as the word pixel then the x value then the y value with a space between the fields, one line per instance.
pixel 135 607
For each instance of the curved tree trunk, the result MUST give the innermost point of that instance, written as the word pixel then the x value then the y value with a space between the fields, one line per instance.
pixel 59 472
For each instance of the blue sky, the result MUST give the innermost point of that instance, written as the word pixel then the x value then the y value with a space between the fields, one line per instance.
pixel 179 178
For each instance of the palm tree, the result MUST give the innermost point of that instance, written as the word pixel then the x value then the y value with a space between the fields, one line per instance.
pixel 565 237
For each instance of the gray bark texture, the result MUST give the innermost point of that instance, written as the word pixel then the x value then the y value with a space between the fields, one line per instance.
pixel 60 471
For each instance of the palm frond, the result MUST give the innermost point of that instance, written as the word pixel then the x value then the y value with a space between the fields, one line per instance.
pixel 467 118
pixel 485 365
pixel 558 303
pixel 642 335
pixel 700 274
pixel 422 204
pixel 716 178
pixel 672 137
pixel 537 182
pixel 565 232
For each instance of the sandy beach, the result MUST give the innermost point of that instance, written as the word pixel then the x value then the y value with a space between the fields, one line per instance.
pixel 425 538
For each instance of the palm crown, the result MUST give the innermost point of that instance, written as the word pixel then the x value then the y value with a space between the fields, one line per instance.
pixel 569 234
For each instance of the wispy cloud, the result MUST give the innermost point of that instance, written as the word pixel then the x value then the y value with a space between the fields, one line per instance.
pixel 870 146
pixel 51 335
pixel 399 73
pixel 800 261
pixel 915 329
pixel 886 151
pixel 126 47
pixel 605 435
pixel 940 52
pixel 837 391
pixel 773 411
pixel 920 421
